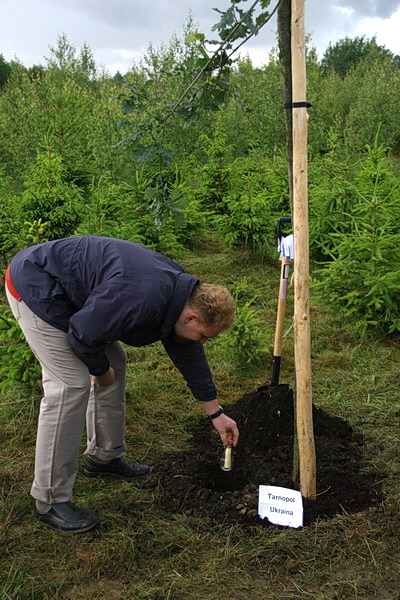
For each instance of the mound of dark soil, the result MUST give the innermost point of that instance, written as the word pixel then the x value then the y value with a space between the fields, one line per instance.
pixel 193 483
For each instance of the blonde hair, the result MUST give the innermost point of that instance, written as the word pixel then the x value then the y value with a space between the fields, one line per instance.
pixel 215 303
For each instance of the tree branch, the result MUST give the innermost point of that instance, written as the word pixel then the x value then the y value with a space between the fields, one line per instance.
pixel 195 80
pixel 252 34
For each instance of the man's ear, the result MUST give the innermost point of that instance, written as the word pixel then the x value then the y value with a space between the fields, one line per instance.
pixel 190 316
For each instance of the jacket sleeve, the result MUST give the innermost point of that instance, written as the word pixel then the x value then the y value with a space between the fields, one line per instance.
pixel 191 361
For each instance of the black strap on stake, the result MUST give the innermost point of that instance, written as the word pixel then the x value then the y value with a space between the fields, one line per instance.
pixel 297 105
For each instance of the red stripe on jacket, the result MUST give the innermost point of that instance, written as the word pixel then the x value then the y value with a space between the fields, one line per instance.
pixel 10 285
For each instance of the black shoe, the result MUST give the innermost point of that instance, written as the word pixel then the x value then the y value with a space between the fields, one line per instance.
pixel 116 468
pixel 68 518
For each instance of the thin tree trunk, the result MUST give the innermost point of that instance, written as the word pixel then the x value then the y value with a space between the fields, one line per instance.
pixel 302 343
pixel 284 37
pixel 285 42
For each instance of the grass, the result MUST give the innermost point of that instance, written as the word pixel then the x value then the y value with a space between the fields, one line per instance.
pixel 141 552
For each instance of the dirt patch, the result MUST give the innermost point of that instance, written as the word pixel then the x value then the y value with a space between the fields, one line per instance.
pixel 194 484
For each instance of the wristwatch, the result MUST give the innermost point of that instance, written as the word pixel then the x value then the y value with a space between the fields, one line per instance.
pixel 216 414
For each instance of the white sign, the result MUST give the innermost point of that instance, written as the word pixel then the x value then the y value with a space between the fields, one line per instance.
pixel 280 506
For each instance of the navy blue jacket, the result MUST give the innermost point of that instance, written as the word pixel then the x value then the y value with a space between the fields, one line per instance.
pixel 100 290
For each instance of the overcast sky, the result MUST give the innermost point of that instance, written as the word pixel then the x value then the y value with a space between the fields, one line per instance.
pixel 119 31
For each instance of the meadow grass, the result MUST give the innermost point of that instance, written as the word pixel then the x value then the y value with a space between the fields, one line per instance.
pixel 142 552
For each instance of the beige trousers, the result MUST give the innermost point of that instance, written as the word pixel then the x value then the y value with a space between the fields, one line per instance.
pixel 69 397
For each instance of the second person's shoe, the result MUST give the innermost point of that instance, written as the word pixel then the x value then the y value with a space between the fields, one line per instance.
pixel 115 468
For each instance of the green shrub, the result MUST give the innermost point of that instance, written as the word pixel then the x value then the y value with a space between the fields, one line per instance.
pixel 248 223
pixel 330 199
pixel 150 214
pixel 257 196
pixel 131 212
pixel 9 229
pixel 108 211
pixel 18 363
pixel 48 196
pixel 34 232
pixel 362 283
pixel 244 342
pixel 214 175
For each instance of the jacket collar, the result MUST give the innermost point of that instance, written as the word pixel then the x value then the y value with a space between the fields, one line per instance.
pixel 183 288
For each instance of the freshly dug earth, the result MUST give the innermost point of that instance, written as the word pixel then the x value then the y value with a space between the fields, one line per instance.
pixel 193 483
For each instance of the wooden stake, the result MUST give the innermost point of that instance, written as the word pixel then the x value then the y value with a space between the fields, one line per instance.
pixel 305 433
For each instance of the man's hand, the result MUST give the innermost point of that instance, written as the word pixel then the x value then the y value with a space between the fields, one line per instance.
pixel 106 379
pixel 227 430
pixel 225 426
